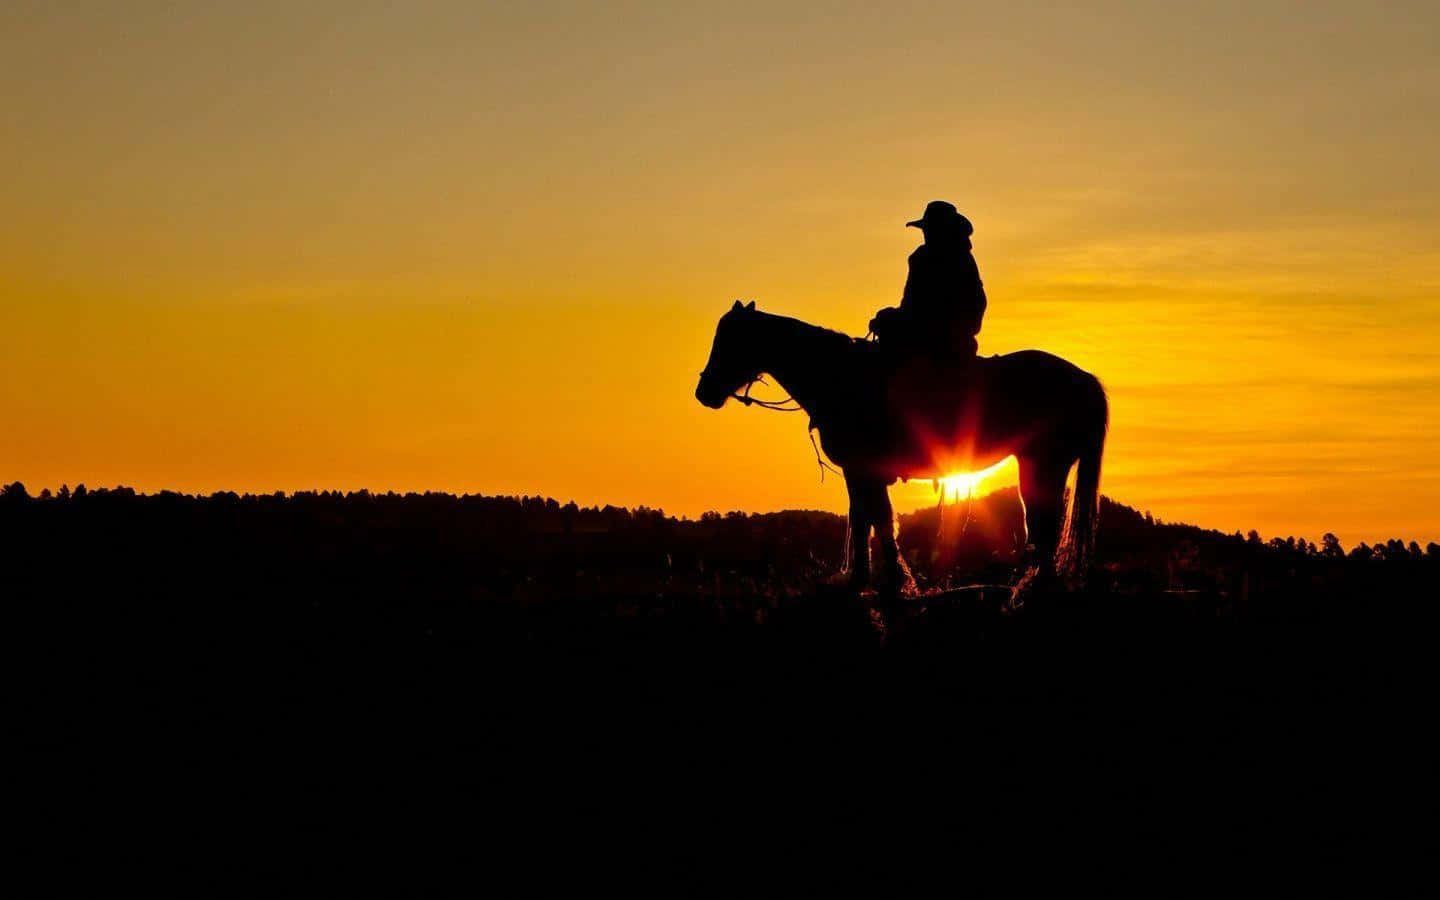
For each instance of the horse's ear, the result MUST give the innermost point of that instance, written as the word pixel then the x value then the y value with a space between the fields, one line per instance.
pixel 751 306
pixel 737 307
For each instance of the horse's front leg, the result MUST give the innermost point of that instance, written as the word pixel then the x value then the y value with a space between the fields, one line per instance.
pixel 861 496
pixel 895 576
pixel 870 505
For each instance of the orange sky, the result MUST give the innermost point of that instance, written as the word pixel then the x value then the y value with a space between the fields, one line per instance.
pixel 482 247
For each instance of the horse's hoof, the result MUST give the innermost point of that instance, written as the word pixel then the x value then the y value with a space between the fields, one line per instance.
pixel 891 587
pixel 895 582
pixel 1033 585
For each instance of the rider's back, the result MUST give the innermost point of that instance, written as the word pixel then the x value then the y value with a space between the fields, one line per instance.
pixel 944 299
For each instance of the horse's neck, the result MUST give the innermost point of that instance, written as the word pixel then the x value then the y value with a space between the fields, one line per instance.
pixel 802 358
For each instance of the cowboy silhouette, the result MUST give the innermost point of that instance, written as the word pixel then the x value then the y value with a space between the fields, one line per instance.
pixel 944 300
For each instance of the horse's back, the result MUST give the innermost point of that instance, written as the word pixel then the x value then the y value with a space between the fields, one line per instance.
pixel 1041 387
pixel 1030 362
pixel 1026 376
pixel 1026 372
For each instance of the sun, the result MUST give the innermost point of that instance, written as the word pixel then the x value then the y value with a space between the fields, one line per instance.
pixel 959 485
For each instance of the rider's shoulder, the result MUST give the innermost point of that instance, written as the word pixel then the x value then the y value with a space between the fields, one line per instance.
pixel 921 253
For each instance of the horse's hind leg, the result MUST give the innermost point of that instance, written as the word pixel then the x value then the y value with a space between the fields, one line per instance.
pixel 1042 492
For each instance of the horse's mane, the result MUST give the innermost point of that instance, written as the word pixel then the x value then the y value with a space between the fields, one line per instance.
pixel 827 338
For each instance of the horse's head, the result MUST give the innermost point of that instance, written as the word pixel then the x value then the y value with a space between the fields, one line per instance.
pixel 731 365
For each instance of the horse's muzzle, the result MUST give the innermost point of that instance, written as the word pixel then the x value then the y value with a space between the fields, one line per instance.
pixel 711 398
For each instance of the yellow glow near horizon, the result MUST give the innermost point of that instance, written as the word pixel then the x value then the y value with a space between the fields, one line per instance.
pixel 961 485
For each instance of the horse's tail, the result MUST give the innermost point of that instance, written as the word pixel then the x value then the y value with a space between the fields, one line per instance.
pixel 1079 547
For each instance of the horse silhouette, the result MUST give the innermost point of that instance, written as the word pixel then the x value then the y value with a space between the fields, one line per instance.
pixel 880 419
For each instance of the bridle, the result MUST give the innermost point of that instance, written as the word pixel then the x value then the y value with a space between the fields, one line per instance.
pixel 776 405
pixel 745 398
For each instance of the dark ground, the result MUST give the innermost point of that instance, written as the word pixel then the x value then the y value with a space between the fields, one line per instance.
pixel 386 686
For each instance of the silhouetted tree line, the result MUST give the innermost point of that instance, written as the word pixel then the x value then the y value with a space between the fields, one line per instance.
pixel 540 551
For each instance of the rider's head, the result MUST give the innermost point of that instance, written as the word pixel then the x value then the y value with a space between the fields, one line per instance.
pixel 942 223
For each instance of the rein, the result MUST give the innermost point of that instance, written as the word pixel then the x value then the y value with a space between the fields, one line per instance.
pixel 782 406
